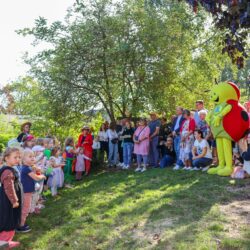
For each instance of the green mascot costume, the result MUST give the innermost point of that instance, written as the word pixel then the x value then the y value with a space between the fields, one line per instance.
pixel 229 122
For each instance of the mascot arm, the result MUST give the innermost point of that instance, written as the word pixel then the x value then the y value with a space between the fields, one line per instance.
pixel 208 118
pixel 217 118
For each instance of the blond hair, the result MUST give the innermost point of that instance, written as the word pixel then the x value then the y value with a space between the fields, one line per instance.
pixel 26 152
pixel 9 151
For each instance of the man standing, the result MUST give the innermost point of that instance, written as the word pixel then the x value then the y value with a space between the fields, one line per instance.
pixel 199 106
pixel 154 126
pixel 177 122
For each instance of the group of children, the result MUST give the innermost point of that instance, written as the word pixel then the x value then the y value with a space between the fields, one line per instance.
pixel 30 167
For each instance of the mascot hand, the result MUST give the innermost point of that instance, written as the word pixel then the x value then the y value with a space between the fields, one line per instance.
pixel 216 121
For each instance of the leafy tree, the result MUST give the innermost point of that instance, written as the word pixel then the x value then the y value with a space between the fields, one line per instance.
pixel 49 115
pixel 125 58
pixel 231 17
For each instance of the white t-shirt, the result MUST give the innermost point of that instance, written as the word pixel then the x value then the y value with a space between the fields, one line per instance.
pixel 201 145
pixel 103 136
pixel 111 134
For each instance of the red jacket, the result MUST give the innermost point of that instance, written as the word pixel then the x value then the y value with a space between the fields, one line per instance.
pixel 191 125
pixel 87 146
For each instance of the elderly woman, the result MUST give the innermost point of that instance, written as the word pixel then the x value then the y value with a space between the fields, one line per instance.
pixel 25 131
pixel 141 145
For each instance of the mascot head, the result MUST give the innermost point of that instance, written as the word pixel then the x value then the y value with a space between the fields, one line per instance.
pixel 225 91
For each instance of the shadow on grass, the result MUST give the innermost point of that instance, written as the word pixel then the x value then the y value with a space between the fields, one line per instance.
pixel 102 211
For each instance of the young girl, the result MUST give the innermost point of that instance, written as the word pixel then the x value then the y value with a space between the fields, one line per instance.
pixel 40 167
pixel 10 197
pixel 48 145
pixel 85 141
pixel 80 166
pixel 70 155
pixel 187 139
pixel 29 142
pixel 28 177
pixel 56 180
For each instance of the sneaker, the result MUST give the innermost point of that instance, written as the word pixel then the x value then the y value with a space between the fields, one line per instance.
pixel 26 226
pixel 138 169
pixel 188 168
pixel 205 169
pixel 143 169
pixel 196 169
pixel 125 167
pixel 185 168
pixel 177 167
pixel 120 164
pixel 23 229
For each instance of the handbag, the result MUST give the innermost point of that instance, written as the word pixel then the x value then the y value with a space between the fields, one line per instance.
pixel 137 136
pixel 114 141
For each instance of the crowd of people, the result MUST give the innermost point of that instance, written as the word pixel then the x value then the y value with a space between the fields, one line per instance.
pixel 185 142
pixel 30 166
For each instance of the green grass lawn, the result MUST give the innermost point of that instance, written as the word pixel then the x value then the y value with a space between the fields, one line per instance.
pixel 158 209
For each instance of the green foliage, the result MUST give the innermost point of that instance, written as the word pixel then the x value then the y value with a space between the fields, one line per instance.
pixel 9 129
pixel 125 58
pixel 48 116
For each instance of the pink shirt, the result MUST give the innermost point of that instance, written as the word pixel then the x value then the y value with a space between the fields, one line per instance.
pixel 143 147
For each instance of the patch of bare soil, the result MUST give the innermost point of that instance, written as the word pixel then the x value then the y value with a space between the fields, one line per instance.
pixel 238 215
pixel 152 231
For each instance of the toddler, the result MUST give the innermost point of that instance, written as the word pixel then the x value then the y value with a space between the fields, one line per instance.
pixel 28 178
pixel 10 196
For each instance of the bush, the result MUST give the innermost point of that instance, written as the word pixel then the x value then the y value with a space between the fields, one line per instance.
pixel 4 138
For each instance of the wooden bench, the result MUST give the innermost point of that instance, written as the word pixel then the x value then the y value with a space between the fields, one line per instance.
pixel 4 245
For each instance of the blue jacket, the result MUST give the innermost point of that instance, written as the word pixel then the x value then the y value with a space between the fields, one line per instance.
pixel 177 131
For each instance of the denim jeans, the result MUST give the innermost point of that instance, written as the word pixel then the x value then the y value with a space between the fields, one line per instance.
pixel 127 153
pixel 120 151
pixel 104 149
pixel 177 142
pixel 113 153
pixel 154 152
pixel 141 158
pixel 202 162
pixel 166 161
